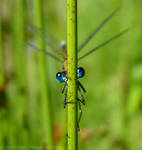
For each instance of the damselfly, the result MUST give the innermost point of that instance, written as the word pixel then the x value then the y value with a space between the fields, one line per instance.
pixel 60 54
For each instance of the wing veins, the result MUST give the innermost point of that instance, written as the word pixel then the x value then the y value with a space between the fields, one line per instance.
pixel 45 52
pixel 35 30
pixel 103 44
pixel 97 30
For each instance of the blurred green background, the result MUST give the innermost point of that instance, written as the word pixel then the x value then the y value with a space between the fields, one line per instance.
pixel 112 116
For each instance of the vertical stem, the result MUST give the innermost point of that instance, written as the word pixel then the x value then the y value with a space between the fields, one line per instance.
pixel 18 42
pixel 72 69
pixel 46 102
pixel 1 75
pixel 18 55
pixel 18 107
pixel 1 53
pixel 17 94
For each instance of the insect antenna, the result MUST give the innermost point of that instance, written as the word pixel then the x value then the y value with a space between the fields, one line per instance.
pixel 103 44
pixel 45 52
pixel 97 30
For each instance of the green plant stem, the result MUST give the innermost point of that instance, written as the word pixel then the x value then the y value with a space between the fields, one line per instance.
pixel 16 95
pixel 1 55
pixel 1 78
pixel 46 102
pixel 18 42
pixel 18 57
pixel 72 69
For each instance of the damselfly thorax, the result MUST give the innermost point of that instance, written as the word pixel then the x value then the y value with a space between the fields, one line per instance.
pixel 64 52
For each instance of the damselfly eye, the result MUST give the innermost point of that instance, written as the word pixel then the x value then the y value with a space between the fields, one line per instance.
pixel 60 77
pixel 80 72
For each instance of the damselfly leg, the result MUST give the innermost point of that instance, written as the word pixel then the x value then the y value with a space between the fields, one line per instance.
pixel 79 100
pixel 65 89
pixel 81 96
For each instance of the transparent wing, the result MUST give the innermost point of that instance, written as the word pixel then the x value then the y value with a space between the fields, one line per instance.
pixel 103 44
pixel 51 44
pixel 58 58
pixel 97 30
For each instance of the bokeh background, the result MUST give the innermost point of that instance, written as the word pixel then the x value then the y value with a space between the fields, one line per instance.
pixel 31 103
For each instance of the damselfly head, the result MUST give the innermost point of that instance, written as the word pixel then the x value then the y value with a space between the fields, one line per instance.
pixel 62 76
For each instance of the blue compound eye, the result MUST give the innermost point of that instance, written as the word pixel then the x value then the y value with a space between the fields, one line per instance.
pixel 59 76
pixel 80 72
